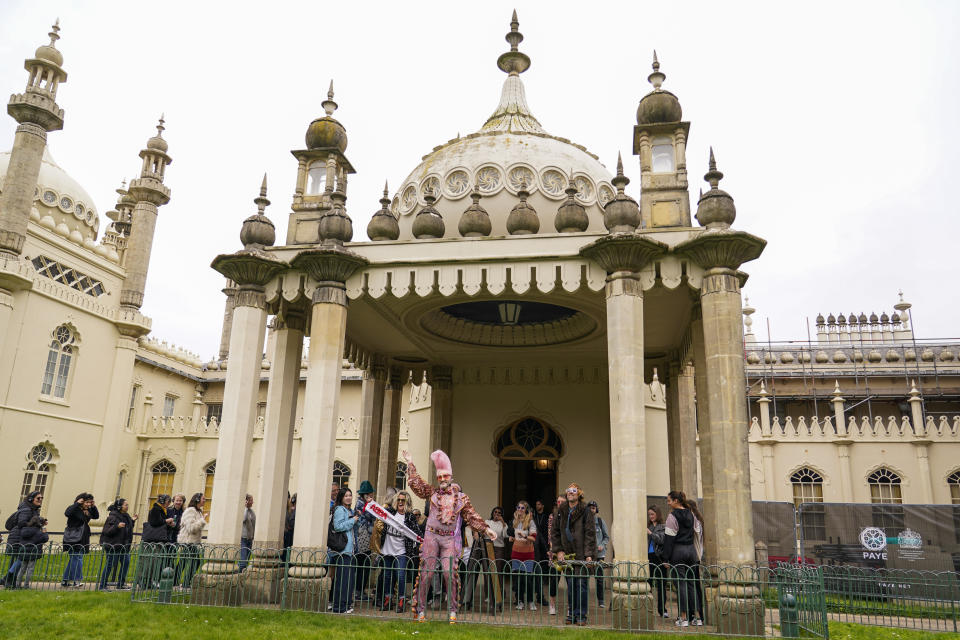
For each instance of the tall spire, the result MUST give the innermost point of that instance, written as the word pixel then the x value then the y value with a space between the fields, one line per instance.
pixel 329 106
pixel 513 114
pixel 656 78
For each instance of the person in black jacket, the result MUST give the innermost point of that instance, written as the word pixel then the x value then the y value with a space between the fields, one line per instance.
pixel 33 536
pixel 28 508
pixel 541 517
pixel 116 538
pixel 682 532
pixel 76 537
pixel 155 550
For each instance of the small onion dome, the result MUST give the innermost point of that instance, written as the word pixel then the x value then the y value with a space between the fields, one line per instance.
pixel 831 319
pixel 327 132
pixel 873 318
pixel 715 210
pixel 622 214
pixel 895 318
pixel 571 216
pixel 820 319
pixel 884 318
pixel 852 319
pixel 523 218
pixel 257 231
pixel 157 143
pixel 841 319
pixel 428 224
pixel 659 105
pixel 383 225
pixel 335 225
pixel 49 52
pixel 475 221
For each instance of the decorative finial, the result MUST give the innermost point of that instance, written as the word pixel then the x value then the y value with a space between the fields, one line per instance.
pixel 620 181
pixel 54 33
pixel 571 189
pixel 261 201
pixel 475 193
pixel 656 78
pixel 385 200
pixel 513 62
pixel 329 106
pixel 160 127
pixel 514 37
pixel 713 176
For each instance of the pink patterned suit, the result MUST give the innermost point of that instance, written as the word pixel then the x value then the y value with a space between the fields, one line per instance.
pixel 442 541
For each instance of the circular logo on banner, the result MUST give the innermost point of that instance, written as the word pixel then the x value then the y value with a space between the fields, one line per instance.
pixel 873 539
pixel 910 539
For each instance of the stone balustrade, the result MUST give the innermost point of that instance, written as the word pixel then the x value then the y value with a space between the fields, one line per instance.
pixel 926 356
pixel 886 429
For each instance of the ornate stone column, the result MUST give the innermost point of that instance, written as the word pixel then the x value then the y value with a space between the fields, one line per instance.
pixel 390 434
pixel 279 423
pixel 703 420
pixel 440 379
pixel 682 429
pixel 230 291
pixel 330 267
pixel 622 256
pixel 251 269
pixel 372 392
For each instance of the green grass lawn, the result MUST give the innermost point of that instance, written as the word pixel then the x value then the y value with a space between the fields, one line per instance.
pixel 37 615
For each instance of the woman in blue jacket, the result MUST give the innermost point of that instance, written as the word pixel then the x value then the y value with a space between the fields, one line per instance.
pixel 344 521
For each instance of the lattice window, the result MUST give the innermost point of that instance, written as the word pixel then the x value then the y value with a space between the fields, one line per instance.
pixel 529 439
pixel 215 411
pixel 807 486
pixel 56 373
pixel 66 275
pixel 953 481
pixel 885 487
pixel 132 409
pixel 400 476
pixel 341 474
pixel 208 474
pixel 36 474
pixel 162 481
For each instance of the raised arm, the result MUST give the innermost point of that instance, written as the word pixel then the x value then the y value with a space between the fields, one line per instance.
pixel 421 488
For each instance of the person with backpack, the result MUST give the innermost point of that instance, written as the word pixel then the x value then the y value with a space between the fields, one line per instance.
pixel 683 532
pixel 15 522
pixel 33 536
pixel 341 547
pixel 603 541
pixel 116 539
pixel 76 537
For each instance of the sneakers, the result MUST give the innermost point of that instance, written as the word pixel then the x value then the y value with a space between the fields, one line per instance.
pixel 682 623
pixel 665 615
pixel 400 605
pixel 553 610
pixel 533 606
pixel 350 610
pixel 453 617
pixel 420 617
pixel 519 606
pixel 697 622
pixel 602 605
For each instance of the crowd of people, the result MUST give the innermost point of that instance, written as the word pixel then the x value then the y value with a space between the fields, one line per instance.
pixel 375 559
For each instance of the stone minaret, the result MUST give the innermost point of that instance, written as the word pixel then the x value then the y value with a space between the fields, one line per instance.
pixel 660 139
pixel 149 192
pixel 37 112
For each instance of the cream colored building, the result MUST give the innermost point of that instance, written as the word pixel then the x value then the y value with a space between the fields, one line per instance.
pixel 513 305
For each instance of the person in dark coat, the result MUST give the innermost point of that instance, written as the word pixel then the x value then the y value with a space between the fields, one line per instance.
pixel 155 551
pixel 574 536
pixel 29 508
pixel 116 538
pixel 541 544
pixel 76 537
pixel 33 536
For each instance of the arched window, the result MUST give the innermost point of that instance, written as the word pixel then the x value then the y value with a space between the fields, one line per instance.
pixel 162 481
pixel 807 486
pixel 341 474
pixel 953 481
pixel 662 155
pixel 529 439
pixel 884 487
pixel 36 474
pixel 208 474
pixel 57 372
pixel 400 477
pixel 316 178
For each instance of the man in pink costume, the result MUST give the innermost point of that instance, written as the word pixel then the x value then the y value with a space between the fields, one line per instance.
pixel 450 508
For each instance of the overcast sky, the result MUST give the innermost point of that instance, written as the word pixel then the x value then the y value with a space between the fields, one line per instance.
pixel 837 124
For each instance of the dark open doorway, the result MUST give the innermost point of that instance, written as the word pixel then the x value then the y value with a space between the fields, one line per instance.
pixel 528 451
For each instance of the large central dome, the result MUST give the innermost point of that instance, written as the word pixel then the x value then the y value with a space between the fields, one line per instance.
pixel 511 149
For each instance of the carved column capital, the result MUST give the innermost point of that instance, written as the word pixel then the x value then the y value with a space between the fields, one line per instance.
pixel 251 296
pixel 291 318
pixel 330 293
pixel 249 267
pixel 440 377
pixel 623 252
pixel 397 377
pixel 329 263
pixel 722 249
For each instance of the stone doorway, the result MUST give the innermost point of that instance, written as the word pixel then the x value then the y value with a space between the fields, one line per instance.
pixel 529 451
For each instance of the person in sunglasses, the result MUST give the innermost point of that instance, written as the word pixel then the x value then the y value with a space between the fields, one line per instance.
pixel 522 560
pixel 575 534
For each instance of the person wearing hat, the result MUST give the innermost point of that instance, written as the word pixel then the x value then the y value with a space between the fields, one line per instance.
pixel 363 532
pixel 603 541
pixel 450 508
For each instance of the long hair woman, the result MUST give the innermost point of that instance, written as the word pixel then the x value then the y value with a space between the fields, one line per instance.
pixel 655 535
pixel 344 521
pixel 680 555
pixel 190 537
pixel 698 545
pixel 523 533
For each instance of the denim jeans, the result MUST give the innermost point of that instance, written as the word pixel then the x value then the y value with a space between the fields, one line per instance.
pixel 117 562
pixel 246 546
pixel 343 582
pixel 577 593
pixel 394 570
pixel 523 589
pixel 74 570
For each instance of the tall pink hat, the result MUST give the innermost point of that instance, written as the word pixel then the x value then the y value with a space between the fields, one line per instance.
pixel 442 462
